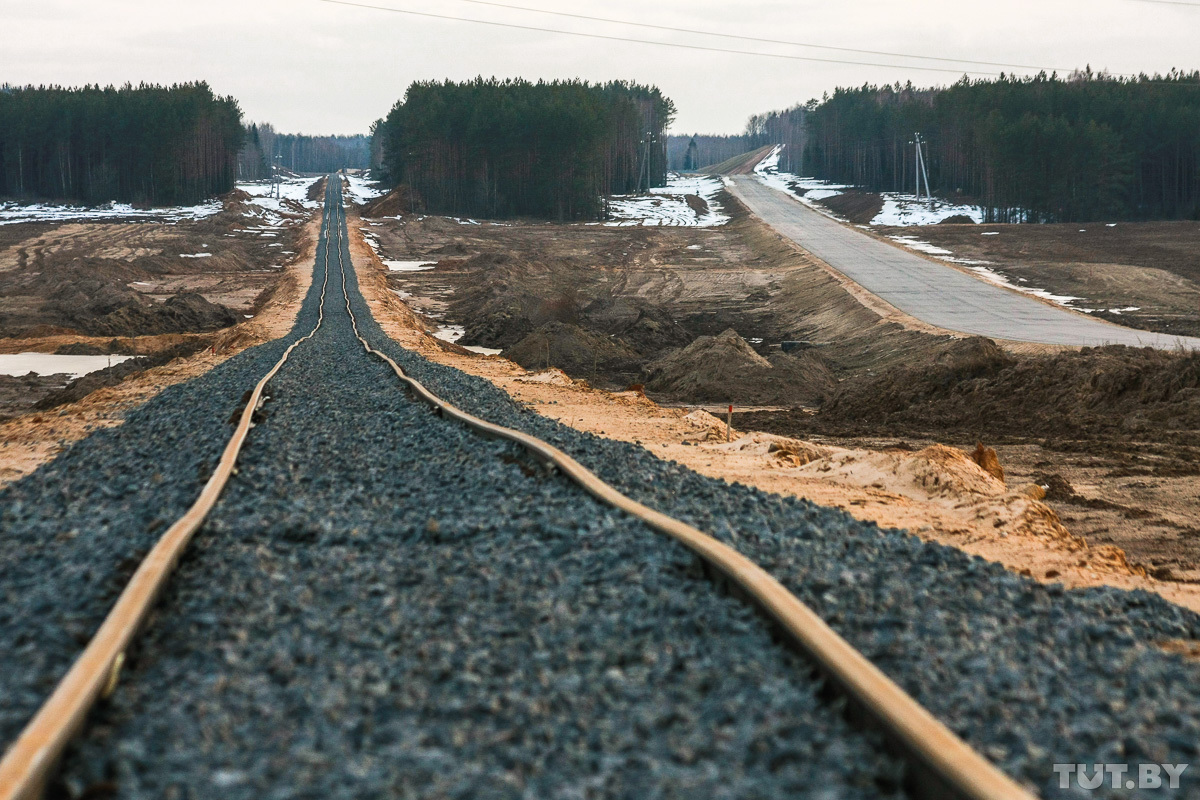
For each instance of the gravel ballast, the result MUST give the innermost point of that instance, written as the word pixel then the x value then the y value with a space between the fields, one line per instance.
pixel 384 604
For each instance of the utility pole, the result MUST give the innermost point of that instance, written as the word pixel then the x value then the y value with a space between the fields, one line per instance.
pixel 919 169
pixel 275 177
pixel 645 162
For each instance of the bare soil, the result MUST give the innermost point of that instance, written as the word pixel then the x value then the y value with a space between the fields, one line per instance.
pixel 857 207
pixel 136 279
pixel 939 493
pixel 130 288
pixel 650 292
pixel 30 439
pixel 1111 434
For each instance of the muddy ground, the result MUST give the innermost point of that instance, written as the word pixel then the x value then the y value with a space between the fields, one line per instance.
pixel 1114 434
pixel 148 288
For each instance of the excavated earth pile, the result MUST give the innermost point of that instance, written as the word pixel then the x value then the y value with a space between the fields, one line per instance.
pixel 977 388
pixel 574 350
pixel 725 368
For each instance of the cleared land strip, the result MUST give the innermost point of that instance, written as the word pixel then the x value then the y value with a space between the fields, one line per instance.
pixel 370 609
pixel 944 759
pixel 935 293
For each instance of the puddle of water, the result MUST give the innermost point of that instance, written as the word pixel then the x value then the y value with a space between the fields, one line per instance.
pixel 49 364
pixel 409 266
pixel 452 333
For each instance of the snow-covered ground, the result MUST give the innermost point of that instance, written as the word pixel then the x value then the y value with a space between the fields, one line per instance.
pixel 905 209
pixel 806 190
pixel 292 192
pixel 361 190
pixel 11 213
pixel 409 266
pixel 899 209
pixel 294 189
pixel 667 205
pixel 913 243
pixel 452 333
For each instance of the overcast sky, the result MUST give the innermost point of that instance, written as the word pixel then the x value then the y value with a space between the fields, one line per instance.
pixel 311 67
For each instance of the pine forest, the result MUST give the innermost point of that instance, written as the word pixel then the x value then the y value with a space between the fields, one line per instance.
pixel 150 145
pixel 514 148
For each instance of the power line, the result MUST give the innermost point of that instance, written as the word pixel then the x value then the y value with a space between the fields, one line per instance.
pixel 768 41
pixel 646 41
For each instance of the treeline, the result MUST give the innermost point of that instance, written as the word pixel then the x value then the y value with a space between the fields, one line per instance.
pixel 708 150
pixel 1041 148
pixel 514 148
pixel 148 144
pixel 300 153
pixel 785 127
pixel 697 151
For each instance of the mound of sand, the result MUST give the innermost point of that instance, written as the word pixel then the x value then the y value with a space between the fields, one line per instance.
pixel 856 207
pixel 400 200
pixel 725 369
pixel 573 349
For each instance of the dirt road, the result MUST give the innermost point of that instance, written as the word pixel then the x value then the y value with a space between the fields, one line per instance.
pixel 935 293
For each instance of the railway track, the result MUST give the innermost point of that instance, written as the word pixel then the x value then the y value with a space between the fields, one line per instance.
pixel 461 509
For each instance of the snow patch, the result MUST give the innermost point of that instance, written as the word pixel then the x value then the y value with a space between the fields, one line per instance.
pixel 362 191
pixel 806 190
pixel 12 213
pixel 449 333
pixel 195 255
pixel 667 205
pixel 410 266
pixel 903 210
pixel 991 276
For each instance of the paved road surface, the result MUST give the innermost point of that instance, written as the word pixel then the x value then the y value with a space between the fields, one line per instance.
pixel 937 294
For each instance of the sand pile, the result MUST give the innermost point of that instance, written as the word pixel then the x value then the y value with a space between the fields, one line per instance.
pixel 646 328
pixel 574 350
pixel 725 369
pixel 398 201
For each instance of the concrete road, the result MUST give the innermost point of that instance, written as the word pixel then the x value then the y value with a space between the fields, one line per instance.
pixel 934 293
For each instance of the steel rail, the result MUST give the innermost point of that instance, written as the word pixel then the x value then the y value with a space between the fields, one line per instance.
pixel 944 765
pixel 26 765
